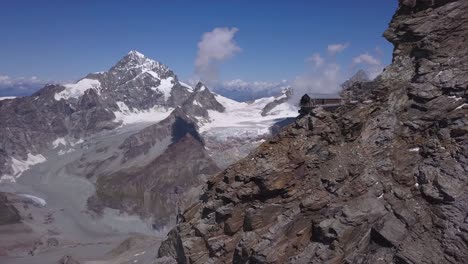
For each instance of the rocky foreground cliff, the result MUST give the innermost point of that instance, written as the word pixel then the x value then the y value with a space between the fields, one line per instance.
pixel 381 180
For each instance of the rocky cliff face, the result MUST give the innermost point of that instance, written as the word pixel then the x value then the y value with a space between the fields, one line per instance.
pixel 125 134
pixel 8 213
pixel 30 124
pixel 162 187
pixel 200 102
pixel 139 83
pixel 168 182
pixel 381 180
pixel 359 77
pixel 283 98
pixel 136 83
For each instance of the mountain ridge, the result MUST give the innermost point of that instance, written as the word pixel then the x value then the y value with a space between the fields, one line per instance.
pixel 115 153
pixel 381 180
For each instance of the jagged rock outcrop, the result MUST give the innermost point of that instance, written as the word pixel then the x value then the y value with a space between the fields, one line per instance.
pixel 380 180
pixel 140 83
pixel 171 180
pixel 201 101
pixel 30 124
pixel 283 98
pixel 175 126
pixel 68 260
pixel 157 190
pixel 8 213
pixel 359 77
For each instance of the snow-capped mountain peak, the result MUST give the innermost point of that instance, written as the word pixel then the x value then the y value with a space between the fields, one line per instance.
pixel 200 87
pixel 136 53
pixel 135 63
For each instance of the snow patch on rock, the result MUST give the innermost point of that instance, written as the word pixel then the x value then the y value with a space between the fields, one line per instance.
pixel 74 143
pixel 189 88
pixel 122 106
pixel 152 115
pixel 59 141
pixel 35 199
pixel 65 146
pixel 414 150
pixel 461 106
pixel 78 89
pixel 7 97
pixel 197 103
pixel 20 166
pixel 165 87
pixel 456 98
pixel 136 53
pixel 63 152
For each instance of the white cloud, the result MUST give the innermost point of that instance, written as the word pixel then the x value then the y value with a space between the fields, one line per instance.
pixel 215 47
pixel 316 59
pixel 19 85
pixel 326 79
pixel 242 90
pixel 373 66
pixel 334 49
pixel 366 58
pixel 4 79
pixel 254 85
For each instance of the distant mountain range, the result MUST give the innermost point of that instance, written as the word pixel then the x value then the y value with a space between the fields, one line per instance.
pixel 133 143
pixel 132 140
pixel 243 91
pixel 238 90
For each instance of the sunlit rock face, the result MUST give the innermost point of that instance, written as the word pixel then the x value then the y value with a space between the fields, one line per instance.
pixel 98 102
pixel 381 180
pixel 122 150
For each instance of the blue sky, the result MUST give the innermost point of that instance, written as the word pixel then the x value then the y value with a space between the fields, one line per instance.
pixel 65 40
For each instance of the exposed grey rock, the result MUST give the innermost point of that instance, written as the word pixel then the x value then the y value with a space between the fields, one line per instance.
pixel 283 98
pixel 200 102
pixel 359 77
pixel 8 213
pixel 68 260
pixel 30 124
pixel 165 185
pixel 380 180
pixel 389 232
pixel 175 126
pixel 52 242
pixel 135 79
pixel 173 248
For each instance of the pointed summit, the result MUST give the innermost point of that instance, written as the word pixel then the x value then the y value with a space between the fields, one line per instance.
pixel 200 87
pixel 135 53
pixel 138 58
pixel 359 77
pixel 202 100
pixel 136 63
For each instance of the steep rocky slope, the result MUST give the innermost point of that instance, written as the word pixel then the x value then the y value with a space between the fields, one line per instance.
pixel 116 153
pixel 359 77
pixel 99 102
pixel 158 189
pixel 164 185
pixel 382 180
pixel 8 213
pixel 135 90
pixel 283 98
